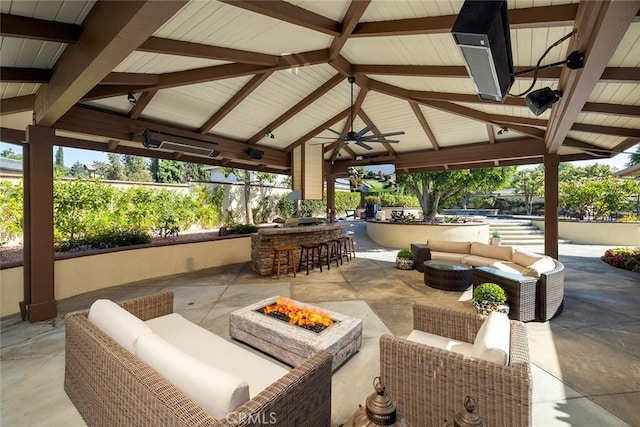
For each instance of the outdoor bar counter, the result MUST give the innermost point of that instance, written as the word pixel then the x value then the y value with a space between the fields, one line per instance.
pixel 265 240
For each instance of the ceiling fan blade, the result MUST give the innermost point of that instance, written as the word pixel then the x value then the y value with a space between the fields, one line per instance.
pixel 333 138
pixel 382 135
pixel 365 130
pixel 379 141
pixel 334 131
pixel 363 145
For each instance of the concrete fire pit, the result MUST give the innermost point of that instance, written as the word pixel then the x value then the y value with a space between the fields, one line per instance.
pixel 292 344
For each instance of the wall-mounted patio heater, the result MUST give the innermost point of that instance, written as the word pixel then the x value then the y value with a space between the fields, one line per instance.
pixel 153 139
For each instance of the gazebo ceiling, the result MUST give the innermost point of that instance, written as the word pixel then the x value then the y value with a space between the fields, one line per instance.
pixel 235 72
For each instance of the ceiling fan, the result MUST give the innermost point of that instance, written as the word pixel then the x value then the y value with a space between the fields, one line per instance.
pixel 359 138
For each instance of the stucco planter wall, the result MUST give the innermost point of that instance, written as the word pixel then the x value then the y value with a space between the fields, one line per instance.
pixel 401 235
pixel 597 233
pixel 82 274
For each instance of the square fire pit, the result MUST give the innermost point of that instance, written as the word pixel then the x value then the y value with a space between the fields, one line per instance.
pixel 290 343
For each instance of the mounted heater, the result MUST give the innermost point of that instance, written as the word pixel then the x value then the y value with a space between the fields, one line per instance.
pixel 481 31
pixel 152 139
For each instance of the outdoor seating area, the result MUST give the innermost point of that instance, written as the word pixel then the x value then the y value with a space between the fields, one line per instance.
pixel 546 376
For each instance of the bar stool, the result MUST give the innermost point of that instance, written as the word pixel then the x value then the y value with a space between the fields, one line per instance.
pixel 304 256
pixel 324 248
pixel 345 251
pixel 335 251
pixel 278 262
pixel 351 248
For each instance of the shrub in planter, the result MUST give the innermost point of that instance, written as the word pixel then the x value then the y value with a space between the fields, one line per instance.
pixel 488 297
pixel 627 258
pixel 404 260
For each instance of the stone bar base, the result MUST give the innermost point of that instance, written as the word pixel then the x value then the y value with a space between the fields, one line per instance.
pixel 292 344
pixel 265 240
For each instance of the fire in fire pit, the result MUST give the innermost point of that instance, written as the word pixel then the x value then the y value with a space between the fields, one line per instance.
pixel 287 310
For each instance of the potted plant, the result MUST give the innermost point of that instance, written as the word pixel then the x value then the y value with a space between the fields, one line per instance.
pixel 404 260
pixel 488 297
pixel 495 238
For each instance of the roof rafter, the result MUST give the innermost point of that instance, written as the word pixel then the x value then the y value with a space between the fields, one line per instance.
pixel 141 104
pixel 38 29
pixel 290 13
pixel 367 121
pixel 197 50
pixel 425 125
pixel 330 122
pixel 24 75
pixel 348 125
pixel 607 130
pixel 133 79
pixel 351 18
pixel 600 28
pixel 304 103
pixel 17 104
pixel 111 32
pixel 236 99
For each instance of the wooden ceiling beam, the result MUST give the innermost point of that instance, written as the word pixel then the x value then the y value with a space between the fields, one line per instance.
pixel 351 19
pixel 492 140
pixel 235 100
pixel 425 126
pixel 133 79
pixel 330 122
pixel 112 30
pixel 141 104
pixel 600 26
pixel 367 121
pixel 290 13
pixel 198 50
pixel 23 27
pixel 534 17
pixel 347 126
pixel 17 104
pixel 304 103
pixel 24 75
pixel 343 66
pixel 626 144
pixel 607 130
pixel 472 153
pixel 612 109
pixel 217 72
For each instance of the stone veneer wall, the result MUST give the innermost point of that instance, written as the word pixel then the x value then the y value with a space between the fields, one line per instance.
pixel 264 242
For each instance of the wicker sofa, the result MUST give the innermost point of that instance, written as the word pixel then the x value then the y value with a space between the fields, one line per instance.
pixel 534 283
pixel 429 384
pixel 110 386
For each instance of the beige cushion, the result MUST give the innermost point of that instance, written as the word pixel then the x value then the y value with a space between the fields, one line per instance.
pixel 447 246
pixel 217 392
pixel 543 265
pixel 509 267
pixel 525 258
pixel 478 261
pixel 447 256
pixel 118 323
pixel 493 338
pixel 488 251
pixel 437 341
pixel 213 350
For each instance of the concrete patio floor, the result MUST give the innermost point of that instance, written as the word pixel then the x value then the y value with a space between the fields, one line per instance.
pixel 585 362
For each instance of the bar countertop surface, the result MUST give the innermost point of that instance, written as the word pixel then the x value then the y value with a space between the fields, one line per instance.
pixel 299 229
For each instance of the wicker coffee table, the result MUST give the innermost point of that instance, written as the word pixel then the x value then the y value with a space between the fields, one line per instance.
pixel 447 275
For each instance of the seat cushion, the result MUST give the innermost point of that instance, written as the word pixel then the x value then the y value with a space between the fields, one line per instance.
pixel 493 339
pixel 209 348
pixel 479 261
pixel 508 267
pixel 448 246
pixel 525 258
pixel 543 265
pixel 448 256
pixel 437 341
pixel 217 392
pixel 504 253
pixel 118 323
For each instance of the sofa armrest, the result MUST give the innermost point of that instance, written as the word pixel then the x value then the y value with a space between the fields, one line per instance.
pixel 458 325
pixel 550 293
pixel 301 397
pixel 150 306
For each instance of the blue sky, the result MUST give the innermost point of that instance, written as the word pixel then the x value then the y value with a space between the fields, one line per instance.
pixel 72 155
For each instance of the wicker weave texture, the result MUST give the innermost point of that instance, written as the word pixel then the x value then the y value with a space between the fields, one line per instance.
pixel 550 293
pixel 521 293
pixel 430 384
pixel 111 387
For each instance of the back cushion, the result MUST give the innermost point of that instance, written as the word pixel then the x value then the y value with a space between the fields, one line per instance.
pixel 217 392
pixel 118 323
pixel 447 246
pixel 543 265
pixel 525 258
pixel 488 251
pixel 493 338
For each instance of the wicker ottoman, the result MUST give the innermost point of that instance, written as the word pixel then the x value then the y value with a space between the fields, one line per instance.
pixel 421 254
pixel 520 290
pixel 447 275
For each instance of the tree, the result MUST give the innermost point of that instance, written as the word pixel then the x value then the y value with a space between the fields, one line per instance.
pixel 529 183
pixel 433 188
pixel 58 165
pixel 634 159
pixel 78 170
pixel 248 178
pixel 9 154
pixel 598 197
pixel 114 169
pixel 195 172
pixel 136 168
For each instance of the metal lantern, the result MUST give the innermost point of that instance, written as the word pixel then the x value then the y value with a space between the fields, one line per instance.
pixel 467 417
pixel 379 411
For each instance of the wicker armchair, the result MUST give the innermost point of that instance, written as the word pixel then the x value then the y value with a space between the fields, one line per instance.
pixel 429 384
pixel 111 387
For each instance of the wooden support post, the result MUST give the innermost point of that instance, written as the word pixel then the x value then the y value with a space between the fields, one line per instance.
pixel 39 285
pixel 551 205
pixel 331 197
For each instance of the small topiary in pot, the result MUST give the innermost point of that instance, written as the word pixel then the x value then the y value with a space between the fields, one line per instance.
pixel 404 260
pixel 488 297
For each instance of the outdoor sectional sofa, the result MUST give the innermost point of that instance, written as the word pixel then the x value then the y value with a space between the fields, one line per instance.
pixel 534 283
pixel 110 384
